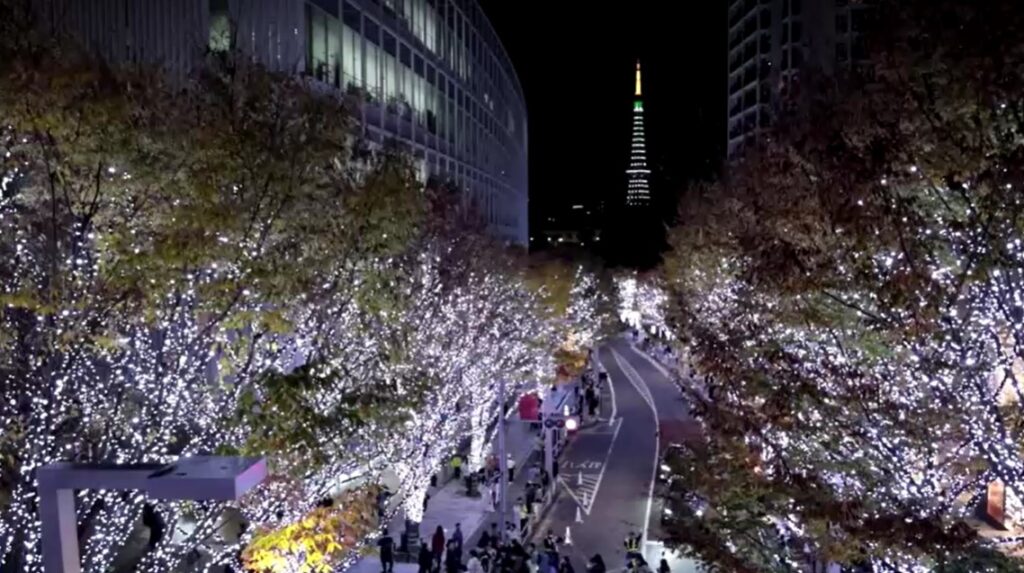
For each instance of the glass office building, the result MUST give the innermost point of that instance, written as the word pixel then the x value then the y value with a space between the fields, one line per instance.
pixel 430 73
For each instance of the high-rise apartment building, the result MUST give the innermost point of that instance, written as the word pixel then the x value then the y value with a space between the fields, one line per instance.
pixel 770 43
pixel 431 74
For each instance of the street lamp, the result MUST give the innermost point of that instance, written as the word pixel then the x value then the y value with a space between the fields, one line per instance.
pixel 207 478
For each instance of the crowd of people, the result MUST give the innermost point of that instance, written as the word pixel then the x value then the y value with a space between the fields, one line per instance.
pixel 493 554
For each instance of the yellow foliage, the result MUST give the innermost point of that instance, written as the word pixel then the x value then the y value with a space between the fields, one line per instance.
pixel 319 541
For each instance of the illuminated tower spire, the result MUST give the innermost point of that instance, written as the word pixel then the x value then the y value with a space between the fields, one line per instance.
pixel 638 192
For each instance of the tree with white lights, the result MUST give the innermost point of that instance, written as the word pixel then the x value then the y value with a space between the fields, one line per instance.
pixel 851 295
pixel 642 302
pixel 582 316
pixel 216 269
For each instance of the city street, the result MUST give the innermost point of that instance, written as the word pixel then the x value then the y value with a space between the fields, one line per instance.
pixel 606 473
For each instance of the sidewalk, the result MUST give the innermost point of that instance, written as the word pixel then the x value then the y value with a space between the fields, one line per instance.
pixel 449 504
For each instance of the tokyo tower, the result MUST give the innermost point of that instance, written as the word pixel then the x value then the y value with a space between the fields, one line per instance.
pixel 638 191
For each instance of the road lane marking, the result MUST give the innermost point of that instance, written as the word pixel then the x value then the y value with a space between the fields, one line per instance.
pixel 661 368
pixel 637 382
pixel 589 485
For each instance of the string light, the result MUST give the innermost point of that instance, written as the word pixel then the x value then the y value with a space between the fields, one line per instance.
pixel 186 370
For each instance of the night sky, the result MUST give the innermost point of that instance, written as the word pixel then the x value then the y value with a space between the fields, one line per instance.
pixel 575 61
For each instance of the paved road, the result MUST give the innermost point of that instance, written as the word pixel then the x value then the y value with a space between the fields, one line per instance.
pixel 606 472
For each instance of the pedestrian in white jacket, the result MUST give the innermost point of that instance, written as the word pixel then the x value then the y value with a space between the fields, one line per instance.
pixel 474 565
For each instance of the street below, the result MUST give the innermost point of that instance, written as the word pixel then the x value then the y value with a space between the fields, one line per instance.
pixel 606 473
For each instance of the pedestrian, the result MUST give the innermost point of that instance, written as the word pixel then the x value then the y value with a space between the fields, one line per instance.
pixel 426 501
pixel 485 539
pixel 511 464
pixel 437 545
pixel 452 559
pixel 531 497
pixel 591 397
pixel 426 559
pixel 531 558
pixel 549 541
pixel 565 566
pixel 155 523
pixel 382 502
pixel 596 564
pixel 456 465
pixel 457 536
pixel 533 474
pixel 663 566
pixel 474 565
pixel 632 546
pixel 512 532
pixel 495 534
pixel 387 551
pixel 551 548
pixel 545 479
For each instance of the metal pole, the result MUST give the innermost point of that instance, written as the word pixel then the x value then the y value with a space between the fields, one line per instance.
pixel 549 446
pixel 60 533
pixel 549 458
pixel 502 462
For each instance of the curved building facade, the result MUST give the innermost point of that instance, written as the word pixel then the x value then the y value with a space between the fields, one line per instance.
pixel 430 73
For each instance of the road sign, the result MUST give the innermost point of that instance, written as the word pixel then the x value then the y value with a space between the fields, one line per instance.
pixel 549 423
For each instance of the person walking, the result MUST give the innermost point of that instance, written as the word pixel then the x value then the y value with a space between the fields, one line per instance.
pixel 382 502
pixel 474 565
pixel 426 558
pixel 565 566
pixel 663 566
pixel 484 541
pixel 551 549
pixel 632 546
pixel 456 465
pixel 495 534
pixel 453 558
pixel 531 497
pixel 542 562
pixel 596 564
pixel 437 545
pixel 511 463
pixel 387 551
pixel 457 536
pixel 591 397
pixel 512 530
